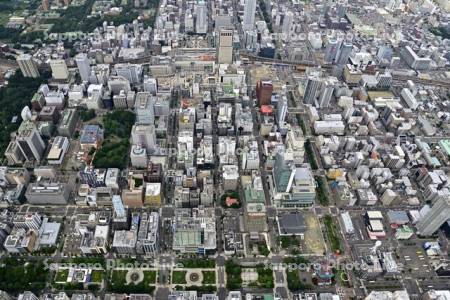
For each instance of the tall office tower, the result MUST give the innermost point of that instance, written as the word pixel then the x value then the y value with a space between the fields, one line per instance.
pixel 30 141
pixel 281 110
pixel 13 154
pixel 344 53
pixel 264 89
pixel 283 172
pixel 415 61
pixel 225 46
pixel 150 85
pixel 249 14
pixel 83 66
pixel 385 52
pixel 59 69
pixel 201 23
pixel 132 72
pixel 144 136
pixel 331 50
pixel 394 5
pixel 341 8
pixel 384 80
pixel 144 109
pixel 326 92
pixel 311 90
pixel 435 217
pixel 287 24
pixel 250 40
pixel 27 66
pixel 119 209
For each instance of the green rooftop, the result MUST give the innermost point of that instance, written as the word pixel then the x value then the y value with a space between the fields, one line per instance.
pixel 253 196
pixel 445 145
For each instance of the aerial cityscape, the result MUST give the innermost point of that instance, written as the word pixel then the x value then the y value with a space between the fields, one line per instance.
pixel 225 149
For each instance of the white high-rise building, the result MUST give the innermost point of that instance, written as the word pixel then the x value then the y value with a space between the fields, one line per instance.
pixel 311 90
pixel 225 46
pixel 132 72
pixel 138 156
pixel 59 69
pixel 394 5
pixel 435 217
pixel 326 92
pixel 287 24
pixel 150 85
pixel 143 106
pixel 281 110
pixel 144 135
pixel 30 141
pixel 249 14
pixel 83 65
pixel 201 25
pixel 27 65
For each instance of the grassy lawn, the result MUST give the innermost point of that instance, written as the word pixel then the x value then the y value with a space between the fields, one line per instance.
pixel 209 277
pixel 295 283
pixel 179 277
pixel 263 249
pixel 265 277
pixel 193 263
pixel 118 276
pixel 149 277
pixel 233 271
pixel 117 283
pixel 311 155
pixel 97 276
pixel 61 275
pixel 287 241
pixel 4 18
pixel 332 233
pixel 322 194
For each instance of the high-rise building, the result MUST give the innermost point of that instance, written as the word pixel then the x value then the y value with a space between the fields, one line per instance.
pixel 287 24
pixel 27 65
pixel 27 296
pixel 331 50
pixel 281 110
pixel 264 89
pixel 415 61
pixel 326 92
pixel 59 69
pixel 138 156
pixel 201 25
pixel 153 194
pixel 384 80
pixel 145 113
pixel 131 72
pixel 148 234
pixel 283 172
pixel 150 85
pixel 435 217
pixel 83 66
pixel 30 141
pixel 312 87
pixel 120 100
pixel 144 135
pixel 394 5
pixel 13 154
pixel 225 46
pixel 249 14
pixel 344 53
pixel 119 209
